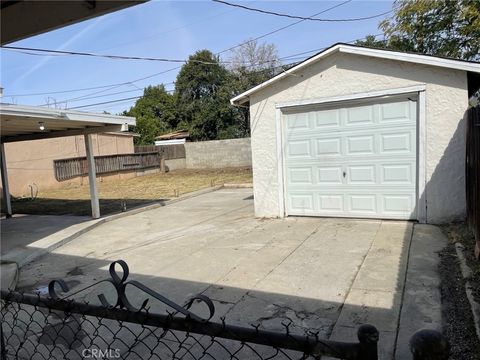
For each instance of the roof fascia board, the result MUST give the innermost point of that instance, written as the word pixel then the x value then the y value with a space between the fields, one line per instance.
pixel 378 53
pixel 62 133
pixel 59 114
pixel 412 58
pixel 238 99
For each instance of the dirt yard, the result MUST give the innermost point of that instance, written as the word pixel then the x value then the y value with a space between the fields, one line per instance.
pixel 75 200
pixel 458 320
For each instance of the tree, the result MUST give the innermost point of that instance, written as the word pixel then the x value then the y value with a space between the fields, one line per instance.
pixel 202 97
pixel 250 64
pixel 442 28
pixel 254 56
pixel 155 113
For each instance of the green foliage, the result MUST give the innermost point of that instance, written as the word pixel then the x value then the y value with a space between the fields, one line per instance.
pixel 155 113
pixel 201 101
pixel 442 28
pixel 202 93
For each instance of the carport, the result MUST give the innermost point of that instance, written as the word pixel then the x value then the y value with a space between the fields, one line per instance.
pixel 26 123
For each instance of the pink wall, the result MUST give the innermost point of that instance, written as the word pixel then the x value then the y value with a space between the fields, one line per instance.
pixel 31 162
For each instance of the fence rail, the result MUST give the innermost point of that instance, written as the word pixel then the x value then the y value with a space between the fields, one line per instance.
pixel 57 327
pixel 69 168
pixel 473 173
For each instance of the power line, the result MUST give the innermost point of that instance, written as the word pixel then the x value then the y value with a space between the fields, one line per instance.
pixel 105 102
pixel 299 17
pixel 87 97
pixel 282 28
pixel 109 102
pixel 49 52
pixel 113 86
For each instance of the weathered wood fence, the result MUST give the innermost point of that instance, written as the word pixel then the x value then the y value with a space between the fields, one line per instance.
pixel 473 173
pixel 169 152
pixel 69 168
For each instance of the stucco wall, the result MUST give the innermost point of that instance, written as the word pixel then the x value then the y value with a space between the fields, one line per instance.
pixel 31 162
pixel 342 74
pixel 218 153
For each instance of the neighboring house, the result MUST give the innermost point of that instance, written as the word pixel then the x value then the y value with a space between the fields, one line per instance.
pixel 173 138
pixel 364 133
pixel 30 163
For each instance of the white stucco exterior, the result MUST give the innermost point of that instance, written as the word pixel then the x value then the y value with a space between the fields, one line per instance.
pixel 445 102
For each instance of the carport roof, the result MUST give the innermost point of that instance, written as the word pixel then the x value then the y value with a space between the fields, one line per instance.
pixel 469 66
pixel 21 122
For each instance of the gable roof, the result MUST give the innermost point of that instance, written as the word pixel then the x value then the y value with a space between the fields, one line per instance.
pixel 464 65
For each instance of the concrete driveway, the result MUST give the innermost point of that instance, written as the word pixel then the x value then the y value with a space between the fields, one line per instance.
pixel 325 274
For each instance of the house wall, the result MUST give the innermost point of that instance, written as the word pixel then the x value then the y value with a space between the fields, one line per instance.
pixel 344 74
pixel 31 162
pixel 218 153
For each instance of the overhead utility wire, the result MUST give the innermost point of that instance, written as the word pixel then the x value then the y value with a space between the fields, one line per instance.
pixel 115 57
pixel 300 17
pixel 282 28
pixel 172 69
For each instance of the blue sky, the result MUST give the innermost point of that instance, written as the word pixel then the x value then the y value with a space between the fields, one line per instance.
pixel 166 29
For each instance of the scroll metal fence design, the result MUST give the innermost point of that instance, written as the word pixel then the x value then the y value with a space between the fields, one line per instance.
pixel 69 168
pixel 55 327
pixel 473 173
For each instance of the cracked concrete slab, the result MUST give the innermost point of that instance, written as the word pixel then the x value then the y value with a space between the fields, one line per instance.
pixel 326 274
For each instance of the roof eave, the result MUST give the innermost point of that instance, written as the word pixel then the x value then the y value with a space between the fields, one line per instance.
pixel 357 50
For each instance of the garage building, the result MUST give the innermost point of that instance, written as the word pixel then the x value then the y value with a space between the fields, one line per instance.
pixel 364 133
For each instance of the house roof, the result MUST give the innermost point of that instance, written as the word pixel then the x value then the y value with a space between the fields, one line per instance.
pixel 22 122
pixel 21 19
pixel 179 134
pixel 470 66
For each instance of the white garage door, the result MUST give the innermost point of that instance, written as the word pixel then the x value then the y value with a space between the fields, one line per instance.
pixel 352 160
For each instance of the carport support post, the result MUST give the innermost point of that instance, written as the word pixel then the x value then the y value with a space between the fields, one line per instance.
pixel 92 176
pixel 7 203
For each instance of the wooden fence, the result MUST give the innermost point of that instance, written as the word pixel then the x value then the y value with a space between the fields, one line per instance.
pixel 473 173
pixel 69 168
pixel 169 151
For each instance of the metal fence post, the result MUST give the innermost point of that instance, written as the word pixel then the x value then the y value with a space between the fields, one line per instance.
pixel 3 352
pixel 429 344
pixel 368 336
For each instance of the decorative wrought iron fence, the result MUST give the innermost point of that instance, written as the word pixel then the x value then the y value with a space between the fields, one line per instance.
pixel 55 327
pixel 73 167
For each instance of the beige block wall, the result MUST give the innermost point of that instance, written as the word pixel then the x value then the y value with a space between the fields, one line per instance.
pixel 31 162
pixel 342 74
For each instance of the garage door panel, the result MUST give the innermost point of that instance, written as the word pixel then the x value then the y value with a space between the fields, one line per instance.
pixel 327 119
pixel 360 115
pixel 397 142
pixel 397 174
pixel 396 203
pixel 361 174
pixel 396 112
pixel 301 175
pixel 362 203
pixel 328 146
pixel 360 145
pixel 357 161
pixel 301 202
pixel 299 148
pixel 330 175
pixel 331 202
pixel 298 121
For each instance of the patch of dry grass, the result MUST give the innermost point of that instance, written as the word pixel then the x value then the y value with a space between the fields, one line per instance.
pixel 75 199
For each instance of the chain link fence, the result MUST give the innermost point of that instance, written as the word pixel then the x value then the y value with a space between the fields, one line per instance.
pixel 57 327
